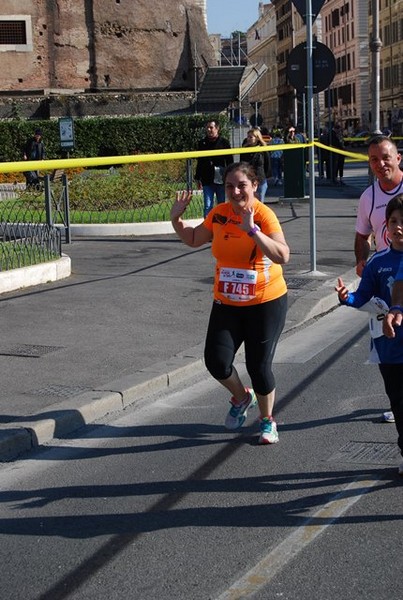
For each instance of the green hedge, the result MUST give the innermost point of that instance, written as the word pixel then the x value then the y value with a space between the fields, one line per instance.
pixel 110 136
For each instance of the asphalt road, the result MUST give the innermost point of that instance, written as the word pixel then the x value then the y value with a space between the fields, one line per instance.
pixel 161 501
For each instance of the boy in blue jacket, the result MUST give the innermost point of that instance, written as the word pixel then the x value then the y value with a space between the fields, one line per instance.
pixel 377 281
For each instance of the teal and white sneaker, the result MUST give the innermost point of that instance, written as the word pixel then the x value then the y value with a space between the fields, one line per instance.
pixel 268 431
pixel 238 412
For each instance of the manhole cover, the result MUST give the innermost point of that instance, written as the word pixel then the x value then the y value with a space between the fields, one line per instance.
pixel 61 391
pixel 380 453
pixel 30 350
pixel 294 283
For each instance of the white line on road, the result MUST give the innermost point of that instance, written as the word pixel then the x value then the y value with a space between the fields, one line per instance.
pixel 261 575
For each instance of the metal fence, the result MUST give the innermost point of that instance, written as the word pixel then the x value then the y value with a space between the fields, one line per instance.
pixel 34 221
pixel 24 244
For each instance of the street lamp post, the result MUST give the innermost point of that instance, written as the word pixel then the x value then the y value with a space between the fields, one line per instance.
pixel 375 47
pixel 312 199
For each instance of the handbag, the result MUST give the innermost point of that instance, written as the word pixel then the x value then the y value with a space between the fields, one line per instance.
pixel 218 175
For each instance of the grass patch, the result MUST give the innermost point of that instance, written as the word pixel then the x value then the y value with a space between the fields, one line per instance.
pixel 14 255
pixel 139 193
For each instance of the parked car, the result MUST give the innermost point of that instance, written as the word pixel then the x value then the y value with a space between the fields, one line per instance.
pixel 360 139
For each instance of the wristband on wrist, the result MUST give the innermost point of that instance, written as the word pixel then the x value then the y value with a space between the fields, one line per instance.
pixel 396 307
pixel 254 230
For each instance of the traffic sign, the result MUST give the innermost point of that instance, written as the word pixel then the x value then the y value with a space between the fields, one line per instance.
pixel 316 5
pixel 323 66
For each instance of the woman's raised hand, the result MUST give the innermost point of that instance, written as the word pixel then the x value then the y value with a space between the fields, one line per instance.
pixel 182 200
pixel 247 215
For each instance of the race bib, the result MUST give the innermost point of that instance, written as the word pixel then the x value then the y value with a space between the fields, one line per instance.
pixel 237 284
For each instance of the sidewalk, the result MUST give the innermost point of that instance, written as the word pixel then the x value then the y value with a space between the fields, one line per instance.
pixel 132 317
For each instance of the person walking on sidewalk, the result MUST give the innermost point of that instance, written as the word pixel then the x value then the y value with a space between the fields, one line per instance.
pixel 210 169
pixel 384 162
pixel 250 293
pixel 375 284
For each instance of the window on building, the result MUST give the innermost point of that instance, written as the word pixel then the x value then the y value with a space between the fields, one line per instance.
pixel 335 18
pixel 15 33
pixel 12 32
pixel 344 93
pixel 395 32
pixel 395 75
pixel 387 78
pixel 386 35
pixel 344 10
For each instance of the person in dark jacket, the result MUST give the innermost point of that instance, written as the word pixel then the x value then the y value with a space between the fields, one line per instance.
pixel 337 141
pixel 34 150
pixel 323 155
pixel 258 160
pixel 210 169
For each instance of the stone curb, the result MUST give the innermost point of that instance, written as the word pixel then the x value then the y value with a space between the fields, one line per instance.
pixel 71 415
pixel 17 279
pixel 318 302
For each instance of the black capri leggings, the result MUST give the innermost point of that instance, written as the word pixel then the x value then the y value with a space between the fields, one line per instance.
pixel 259 326
pixel 393 379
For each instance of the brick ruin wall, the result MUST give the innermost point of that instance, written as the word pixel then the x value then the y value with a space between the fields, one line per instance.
pixel 96 57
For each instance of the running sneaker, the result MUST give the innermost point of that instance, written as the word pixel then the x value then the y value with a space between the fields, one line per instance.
pixel 237 414
pixel 400 469
pixel 268 431
pixel 388 417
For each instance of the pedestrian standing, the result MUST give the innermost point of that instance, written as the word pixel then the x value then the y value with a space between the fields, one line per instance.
pixel 276 157
pixel 323 155
pixel 337 159
pixel 34 150
pixel 258 160
pixel 210 169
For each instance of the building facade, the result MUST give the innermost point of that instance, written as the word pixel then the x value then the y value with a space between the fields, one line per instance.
pixel 391 64
pixel 94 45
pixel 262 50
pixel 345 27
pixel 345 32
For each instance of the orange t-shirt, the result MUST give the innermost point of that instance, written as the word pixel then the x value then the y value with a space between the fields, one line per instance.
pixel 243 274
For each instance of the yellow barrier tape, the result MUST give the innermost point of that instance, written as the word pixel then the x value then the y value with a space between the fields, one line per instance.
pixel 71 163
pixel 354 155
